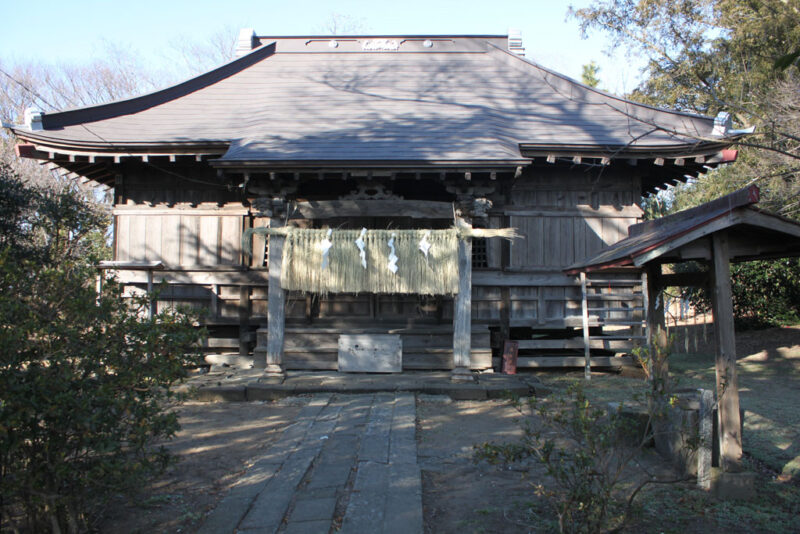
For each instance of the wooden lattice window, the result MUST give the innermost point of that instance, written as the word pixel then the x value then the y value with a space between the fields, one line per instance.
pixel 480 254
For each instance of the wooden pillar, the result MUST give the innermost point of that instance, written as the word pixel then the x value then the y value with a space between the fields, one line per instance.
pixel 656 333
pixel 505 291
pixel 505 314
pixel 214 306
pixel 244 320
pixel 462 314
pixel 153 303
pixel 587 349
pixel 730 438
pixel 276 304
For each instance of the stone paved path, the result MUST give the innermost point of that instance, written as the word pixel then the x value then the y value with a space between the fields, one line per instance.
pixel 348 463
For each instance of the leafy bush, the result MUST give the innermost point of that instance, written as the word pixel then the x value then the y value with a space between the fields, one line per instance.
pixel 585 451
pixel 83 378
pixel 765 293
pixel 591 454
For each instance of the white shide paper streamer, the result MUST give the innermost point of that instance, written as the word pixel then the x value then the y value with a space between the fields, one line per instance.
pixel 360 244
pixel 392 256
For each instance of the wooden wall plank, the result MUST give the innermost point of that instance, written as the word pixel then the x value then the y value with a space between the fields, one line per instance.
pixel 170 240
pixel 208 241
pixel 123 238
pixel 153 250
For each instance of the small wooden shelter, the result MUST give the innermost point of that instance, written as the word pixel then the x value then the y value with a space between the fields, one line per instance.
pixel 381 132
pixel 726 230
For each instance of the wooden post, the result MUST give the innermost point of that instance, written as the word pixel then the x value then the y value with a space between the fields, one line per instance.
pixel 705 434
pixel 244 319
pixel 656 335
pixel 99 285
pixel 505 314
pixel 276 308
pixel 730 438
pixel 152 308
pixel 214 301
pixel 462 314
pixel 587 371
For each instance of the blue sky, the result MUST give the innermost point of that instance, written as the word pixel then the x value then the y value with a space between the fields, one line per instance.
pixel 69 30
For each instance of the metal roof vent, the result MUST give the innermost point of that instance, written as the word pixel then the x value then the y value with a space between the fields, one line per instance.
pixel 515 42
pixel 33 119
pixel 246 42
pixel 722 124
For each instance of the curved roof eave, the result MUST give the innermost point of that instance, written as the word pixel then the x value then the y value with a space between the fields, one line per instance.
pixel 51 121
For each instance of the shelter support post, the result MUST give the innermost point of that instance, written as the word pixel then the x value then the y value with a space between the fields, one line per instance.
pixel 276 304
pixel 587 351
pixel 462 315
pixel 730 438
pixel 658 371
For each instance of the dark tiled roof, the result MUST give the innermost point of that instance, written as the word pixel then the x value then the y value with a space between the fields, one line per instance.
pixel 462 99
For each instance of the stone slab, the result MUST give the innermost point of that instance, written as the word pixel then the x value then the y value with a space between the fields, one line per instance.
pixel 403 514
pixel 313 509
pixel 271 505
pixel 370 353
pixel 307 527
pixel 365 511
pixel 222 394
pixel 733 486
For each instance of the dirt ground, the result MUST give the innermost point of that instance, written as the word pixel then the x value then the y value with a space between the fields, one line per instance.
pixel 218 441
pixel 215 446
pixel 459 494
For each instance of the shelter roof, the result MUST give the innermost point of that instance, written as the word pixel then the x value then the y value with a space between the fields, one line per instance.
pixel 408 99
pixel 753 234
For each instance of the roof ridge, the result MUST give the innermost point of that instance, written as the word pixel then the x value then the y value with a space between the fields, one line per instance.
pixel 388 35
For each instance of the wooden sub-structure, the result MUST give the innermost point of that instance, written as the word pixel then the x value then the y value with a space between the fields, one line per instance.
pixel 402 132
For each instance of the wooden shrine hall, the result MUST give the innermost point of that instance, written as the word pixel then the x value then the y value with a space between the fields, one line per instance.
pixel 451 137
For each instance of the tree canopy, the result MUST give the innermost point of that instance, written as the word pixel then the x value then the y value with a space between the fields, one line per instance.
pixel 706 56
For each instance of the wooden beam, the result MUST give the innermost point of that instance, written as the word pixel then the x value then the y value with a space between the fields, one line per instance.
pixel 417 209
pixel 698 279
pixel 580 210
pixel 522 279
pixel 729 422
pixel 572 361
pixel 577 343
